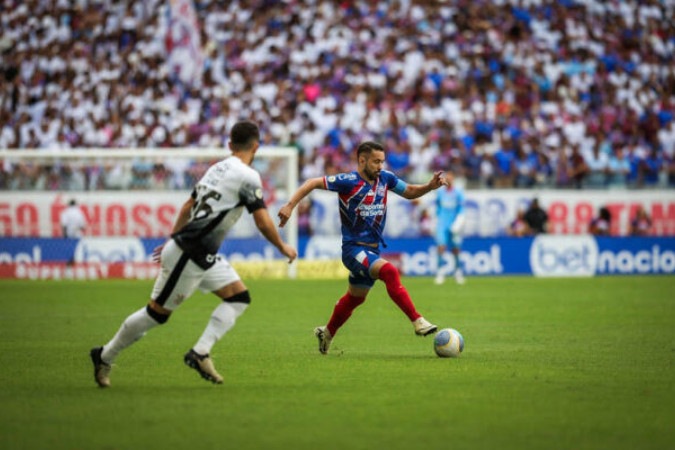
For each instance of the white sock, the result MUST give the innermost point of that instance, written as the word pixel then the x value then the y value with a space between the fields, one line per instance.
pixel 132 329
pixel 221 321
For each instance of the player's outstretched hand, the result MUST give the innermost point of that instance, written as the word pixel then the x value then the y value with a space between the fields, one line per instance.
pixel 438 180
pixel 289 252
pixel 284 214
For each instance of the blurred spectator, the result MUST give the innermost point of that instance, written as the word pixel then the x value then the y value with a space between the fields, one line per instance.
pixel 536 218
pixel 650 168
pixel 487 169
pixel 505 168
pixel 72 221
pixel 304 213
pixel 525 166
pixel 427 227
pixel 577 168
pixel 641 223
pixel 543 170
pixel 670 172
pixel 598 166
pixel 618 169
pixel 601 224
pixel 518 227
pixel 666 137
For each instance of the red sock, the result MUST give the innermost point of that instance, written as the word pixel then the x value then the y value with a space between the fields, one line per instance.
pixel 398 293
pixel 342 311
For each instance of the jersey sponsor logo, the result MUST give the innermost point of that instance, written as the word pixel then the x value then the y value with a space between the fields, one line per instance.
pixel 343 176
pixel 376 209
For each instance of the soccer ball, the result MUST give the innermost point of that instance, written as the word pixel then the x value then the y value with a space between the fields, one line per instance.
pixel 448 343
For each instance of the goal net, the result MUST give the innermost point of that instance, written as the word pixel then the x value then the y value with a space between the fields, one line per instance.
pixel 130 199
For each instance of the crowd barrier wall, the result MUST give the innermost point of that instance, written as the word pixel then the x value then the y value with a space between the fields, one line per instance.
pixel 542 256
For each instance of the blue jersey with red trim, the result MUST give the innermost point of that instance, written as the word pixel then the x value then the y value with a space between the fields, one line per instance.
pixel 363 206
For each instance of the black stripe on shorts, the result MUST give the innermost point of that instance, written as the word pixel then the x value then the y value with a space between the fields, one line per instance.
pixel 173 279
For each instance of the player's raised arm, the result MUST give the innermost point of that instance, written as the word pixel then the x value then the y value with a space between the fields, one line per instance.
pixel 302 192
pixel 417 190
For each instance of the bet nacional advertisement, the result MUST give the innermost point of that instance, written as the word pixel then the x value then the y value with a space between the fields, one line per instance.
pixel 542 256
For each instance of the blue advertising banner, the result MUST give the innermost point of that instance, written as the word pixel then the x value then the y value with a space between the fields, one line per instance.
pixel 544 255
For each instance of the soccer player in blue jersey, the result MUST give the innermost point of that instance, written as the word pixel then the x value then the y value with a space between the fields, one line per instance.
pixel 363 210
pixel 449 227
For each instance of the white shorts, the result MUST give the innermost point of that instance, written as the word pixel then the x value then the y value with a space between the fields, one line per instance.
pixel 180 277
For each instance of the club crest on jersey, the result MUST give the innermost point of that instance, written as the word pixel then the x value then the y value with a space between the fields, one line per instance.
pixel 380 190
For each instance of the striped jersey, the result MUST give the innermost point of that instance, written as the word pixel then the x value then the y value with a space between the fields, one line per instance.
pixel 220 197
pixel 363 206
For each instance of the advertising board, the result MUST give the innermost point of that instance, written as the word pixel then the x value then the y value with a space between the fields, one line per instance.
pixel 543 256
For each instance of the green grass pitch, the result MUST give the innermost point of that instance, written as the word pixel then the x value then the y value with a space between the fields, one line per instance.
pixel 548 364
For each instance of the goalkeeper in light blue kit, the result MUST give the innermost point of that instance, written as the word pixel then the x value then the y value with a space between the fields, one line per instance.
pixel 449 227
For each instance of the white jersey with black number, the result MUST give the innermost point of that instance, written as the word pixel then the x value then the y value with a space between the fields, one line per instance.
pixel 220 197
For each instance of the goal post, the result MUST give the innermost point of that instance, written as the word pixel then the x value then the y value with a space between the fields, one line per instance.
pixel 35 183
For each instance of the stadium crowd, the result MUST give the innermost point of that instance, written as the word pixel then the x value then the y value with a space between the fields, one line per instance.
pixel 510 93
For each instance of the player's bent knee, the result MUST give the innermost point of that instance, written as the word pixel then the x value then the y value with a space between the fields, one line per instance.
pixel 242 297
pixel 388 272
pixel 157 316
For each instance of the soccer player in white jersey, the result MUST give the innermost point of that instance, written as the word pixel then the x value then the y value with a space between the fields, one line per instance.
pixel 189 259
pixel 449 227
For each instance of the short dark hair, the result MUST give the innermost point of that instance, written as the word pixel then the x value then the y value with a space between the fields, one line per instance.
pixel 367 148
pixel 244 134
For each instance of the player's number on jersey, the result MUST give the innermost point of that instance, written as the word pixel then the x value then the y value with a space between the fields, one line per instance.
pixel 202 208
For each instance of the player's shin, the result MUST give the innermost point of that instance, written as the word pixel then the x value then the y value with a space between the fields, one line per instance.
pixel 398 293
pixel 132 329
pixel 343 311
pixel 222 320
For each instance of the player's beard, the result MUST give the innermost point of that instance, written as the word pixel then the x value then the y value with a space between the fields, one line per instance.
pixel 371 176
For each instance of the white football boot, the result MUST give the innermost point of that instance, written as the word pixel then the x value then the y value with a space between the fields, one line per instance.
pixel 423 327
pixel 203 365
pixel 324 337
